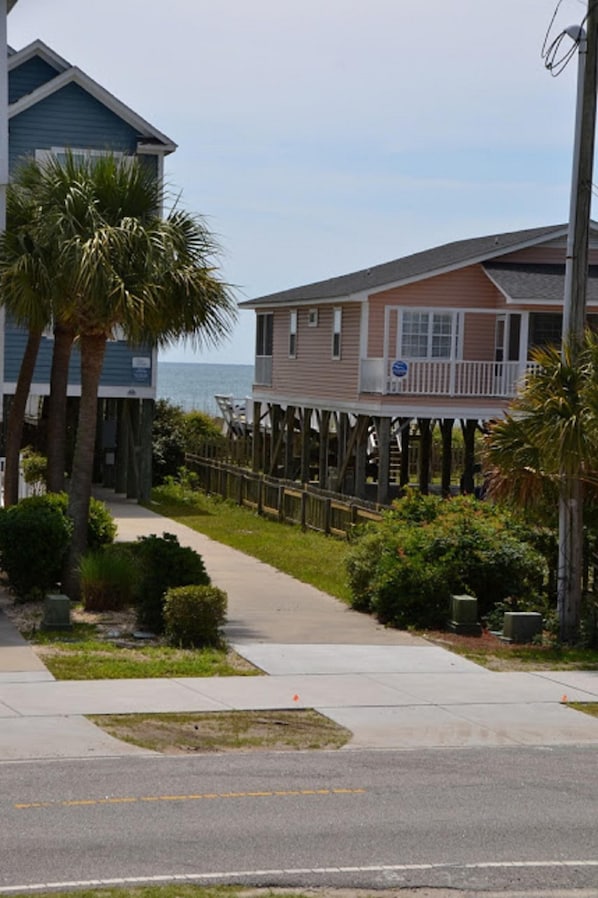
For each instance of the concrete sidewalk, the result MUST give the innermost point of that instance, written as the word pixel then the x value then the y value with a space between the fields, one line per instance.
pixel 392 690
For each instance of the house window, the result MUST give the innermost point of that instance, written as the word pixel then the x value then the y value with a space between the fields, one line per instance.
pixel 337 321
pixel 78 154
pixel 263 334
pixel 312 318
pixel 293 334
pixel 427 335
pixel 545 329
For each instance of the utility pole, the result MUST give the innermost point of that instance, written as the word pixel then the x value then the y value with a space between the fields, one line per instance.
pixel 574 313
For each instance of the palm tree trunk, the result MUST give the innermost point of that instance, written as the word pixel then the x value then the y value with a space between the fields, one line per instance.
pixel 56 441
pixel 16 418
pixel 92 358
pixel 570 568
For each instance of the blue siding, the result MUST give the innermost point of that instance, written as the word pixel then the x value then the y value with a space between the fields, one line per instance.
pixel 28 77
pixel 117 370
pixel 69 118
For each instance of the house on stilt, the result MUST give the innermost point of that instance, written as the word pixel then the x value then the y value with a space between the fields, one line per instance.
pixel 350 370
pixel 55 107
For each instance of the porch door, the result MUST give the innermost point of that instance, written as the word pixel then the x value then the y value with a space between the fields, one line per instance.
pixel 506 349
pixel 500 353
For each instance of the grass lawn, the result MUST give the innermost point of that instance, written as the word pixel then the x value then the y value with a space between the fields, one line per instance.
pixel 308 556
pixel 95 660
pixel 587 707
pixel 89 652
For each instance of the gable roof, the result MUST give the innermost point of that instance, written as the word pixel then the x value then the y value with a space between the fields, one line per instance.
pixel 417 266
pixel 69 74
pixel 37 48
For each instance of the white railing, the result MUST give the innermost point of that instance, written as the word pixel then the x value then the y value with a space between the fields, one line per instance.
pixel 443 378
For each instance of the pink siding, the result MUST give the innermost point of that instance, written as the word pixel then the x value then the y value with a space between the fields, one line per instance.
pixel 466 288
pixel 551 255
pixel 537 255
pixel 479 333
pixel 313 372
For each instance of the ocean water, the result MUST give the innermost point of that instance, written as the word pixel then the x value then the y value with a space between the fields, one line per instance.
pixel 193 385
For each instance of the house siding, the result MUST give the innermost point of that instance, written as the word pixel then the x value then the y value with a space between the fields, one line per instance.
pixel 479 332
pixel 553 254
pixel 69 118
pixel 28 77
pixel 313 371
pixel 117 370
pixel 469 287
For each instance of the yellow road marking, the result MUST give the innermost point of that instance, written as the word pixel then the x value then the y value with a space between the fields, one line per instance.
pixel 129 799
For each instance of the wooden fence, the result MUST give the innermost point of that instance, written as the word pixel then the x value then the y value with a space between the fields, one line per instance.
pixel 283 500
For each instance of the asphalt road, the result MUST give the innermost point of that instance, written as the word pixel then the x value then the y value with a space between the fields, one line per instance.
pixel 481 819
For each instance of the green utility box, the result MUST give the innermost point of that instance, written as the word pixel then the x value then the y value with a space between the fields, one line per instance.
pixel 464 616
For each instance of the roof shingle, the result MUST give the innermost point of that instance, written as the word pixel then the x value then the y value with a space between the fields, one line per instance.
pixel 413 267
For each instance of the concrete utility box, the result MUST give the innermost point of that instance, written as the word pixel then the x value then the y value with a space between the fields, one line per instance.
pixel 464 616
pixel 521 626
pixel 57 613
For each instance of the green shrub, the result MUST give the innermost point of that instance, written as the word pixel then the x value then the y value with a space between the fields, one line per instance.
pixel 35 469
pixel 405 568
pixel 164 563
pixel 194 616
pixel 408 589
pixel 101 528
pixel 362 563
pixel 109 578
pixel 199 429
pixel 34 537
pixel 168 440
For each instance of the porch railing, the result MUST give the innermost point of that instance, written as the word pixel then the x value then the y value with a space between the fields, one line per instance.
pixel 443 378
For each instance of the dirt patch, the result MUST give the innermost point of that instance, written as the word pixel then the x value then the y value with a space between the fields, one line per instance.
pixel 220 731
pixel 489 650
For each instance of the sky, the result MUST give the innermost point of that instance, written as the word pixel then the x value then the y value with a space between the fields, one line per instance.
pixel 320 137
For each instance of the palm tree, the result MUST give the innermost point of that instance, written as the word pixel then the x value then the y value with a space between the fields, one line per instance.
pixel 154 278
pixel 69 211
pixel 29 281
pixel 116 264
pixel 543 454
pixel 35 291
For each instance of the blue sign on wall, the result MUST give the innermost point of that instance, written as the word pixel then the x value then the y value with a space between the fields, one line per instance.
pixel 400 368
pixel 141 369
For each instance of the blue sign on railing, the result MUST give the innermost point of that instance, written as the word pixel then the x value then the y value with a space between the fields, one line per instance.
pixel 400 368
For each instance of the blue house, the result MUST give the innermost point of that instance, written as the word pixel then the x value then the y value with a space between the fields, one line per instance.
pixel 54 106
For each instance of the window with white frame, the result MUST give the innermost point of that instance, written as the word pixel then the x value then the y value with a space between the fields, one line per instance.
pixel 337 322
pixel 293 334
pixel 78 154
pixel 427 335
